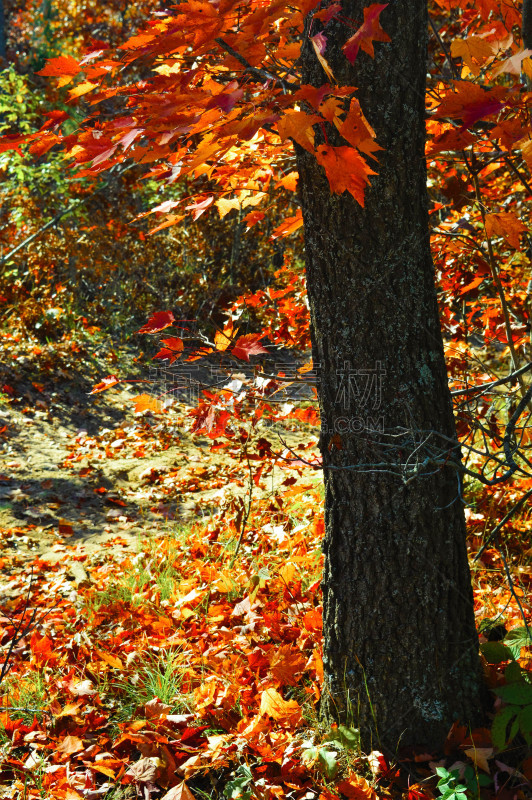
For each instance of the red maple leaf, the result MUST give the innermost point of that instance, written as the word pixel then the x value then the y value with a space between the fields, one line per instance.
pixel 247 346
pixel 174 343
pixel 370 31
pixel 159 321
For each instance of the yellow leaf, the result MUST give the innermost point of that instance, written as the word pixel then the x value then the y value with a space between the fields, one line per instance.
pixel 222 339
pixel 323 61
pixel 104 770
pixel 113 661
pixel 473 51
pixel 224 584
pixel 273 705
pixel 82 88
pixel 227 204
pixel 288 571
pixel 479 756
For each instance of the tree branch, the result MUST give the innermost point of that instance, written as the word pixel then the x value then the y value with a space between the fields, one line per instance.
pixel 262 74
pixel 481 388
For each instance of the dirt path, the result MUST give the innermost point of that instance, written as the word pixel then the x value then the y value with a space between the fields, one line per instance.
pixel 87 472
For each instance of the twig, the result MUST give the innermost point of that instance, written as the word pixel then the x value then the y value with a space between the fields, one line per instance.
pixel 20 631
pixel 55 220
pixel 493 536
pixel 514 593
pixel 250 498
pixel 44 228
pixel 256 71
pixel 484 387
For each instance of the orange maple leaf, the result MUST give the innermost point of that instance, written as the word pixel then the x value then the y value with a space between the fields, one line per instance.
pixel 346 170
pixel 507 225
pixel 357 131
pixel 104 384
pixel 286 663
pixel 145 402
pixel 356 787
pixel 61 65
pixel 272 704
pixel 297 125
pixel 473 51
pixel 175 344
pixel 288 225
pixel 370 31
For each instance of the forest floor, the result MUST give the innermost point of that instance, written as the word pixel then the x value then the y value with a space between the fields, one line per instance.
pixel 160 611
pixel 87 471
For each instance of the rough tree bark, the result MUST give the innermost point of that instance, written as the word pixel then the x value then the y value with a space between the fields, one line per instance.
pixel 526 26
pixel 400 646
pixel 3 47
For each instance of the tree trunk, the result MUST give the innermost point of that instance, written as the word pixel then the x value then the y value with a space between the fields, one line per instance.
pixel 526 26
pixel 400 646
pixel 3 36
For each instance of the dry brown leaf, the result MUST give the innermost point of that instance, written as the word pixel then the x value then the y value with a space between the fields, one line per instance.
pixel 179 792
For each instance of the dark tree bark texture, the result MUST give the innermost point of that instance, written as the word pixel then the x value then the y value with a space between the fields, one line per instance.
pixel 400 646
pixel 3 51
pixel 526 27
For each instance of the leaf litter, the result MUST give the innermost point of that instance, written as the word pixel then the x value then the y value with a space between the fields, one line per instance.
pixel 148 661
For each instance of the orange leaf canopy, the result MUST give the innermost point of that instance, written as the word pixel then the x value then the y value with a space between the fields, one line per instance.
pixel 471 103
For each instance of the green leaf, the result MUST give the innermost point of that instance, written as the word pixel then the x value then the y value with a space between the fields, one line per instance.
pixel 350 737
pixel 309 755
pixel 520 637
pixel 499 726
pixel 513 673
pixel 525 722
pixel 239 788
pixel 327 763
pixel 513 730
pixel 517 693
pixel 447 792
pixel 442 772
pixel 495 652
pixel 335 743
